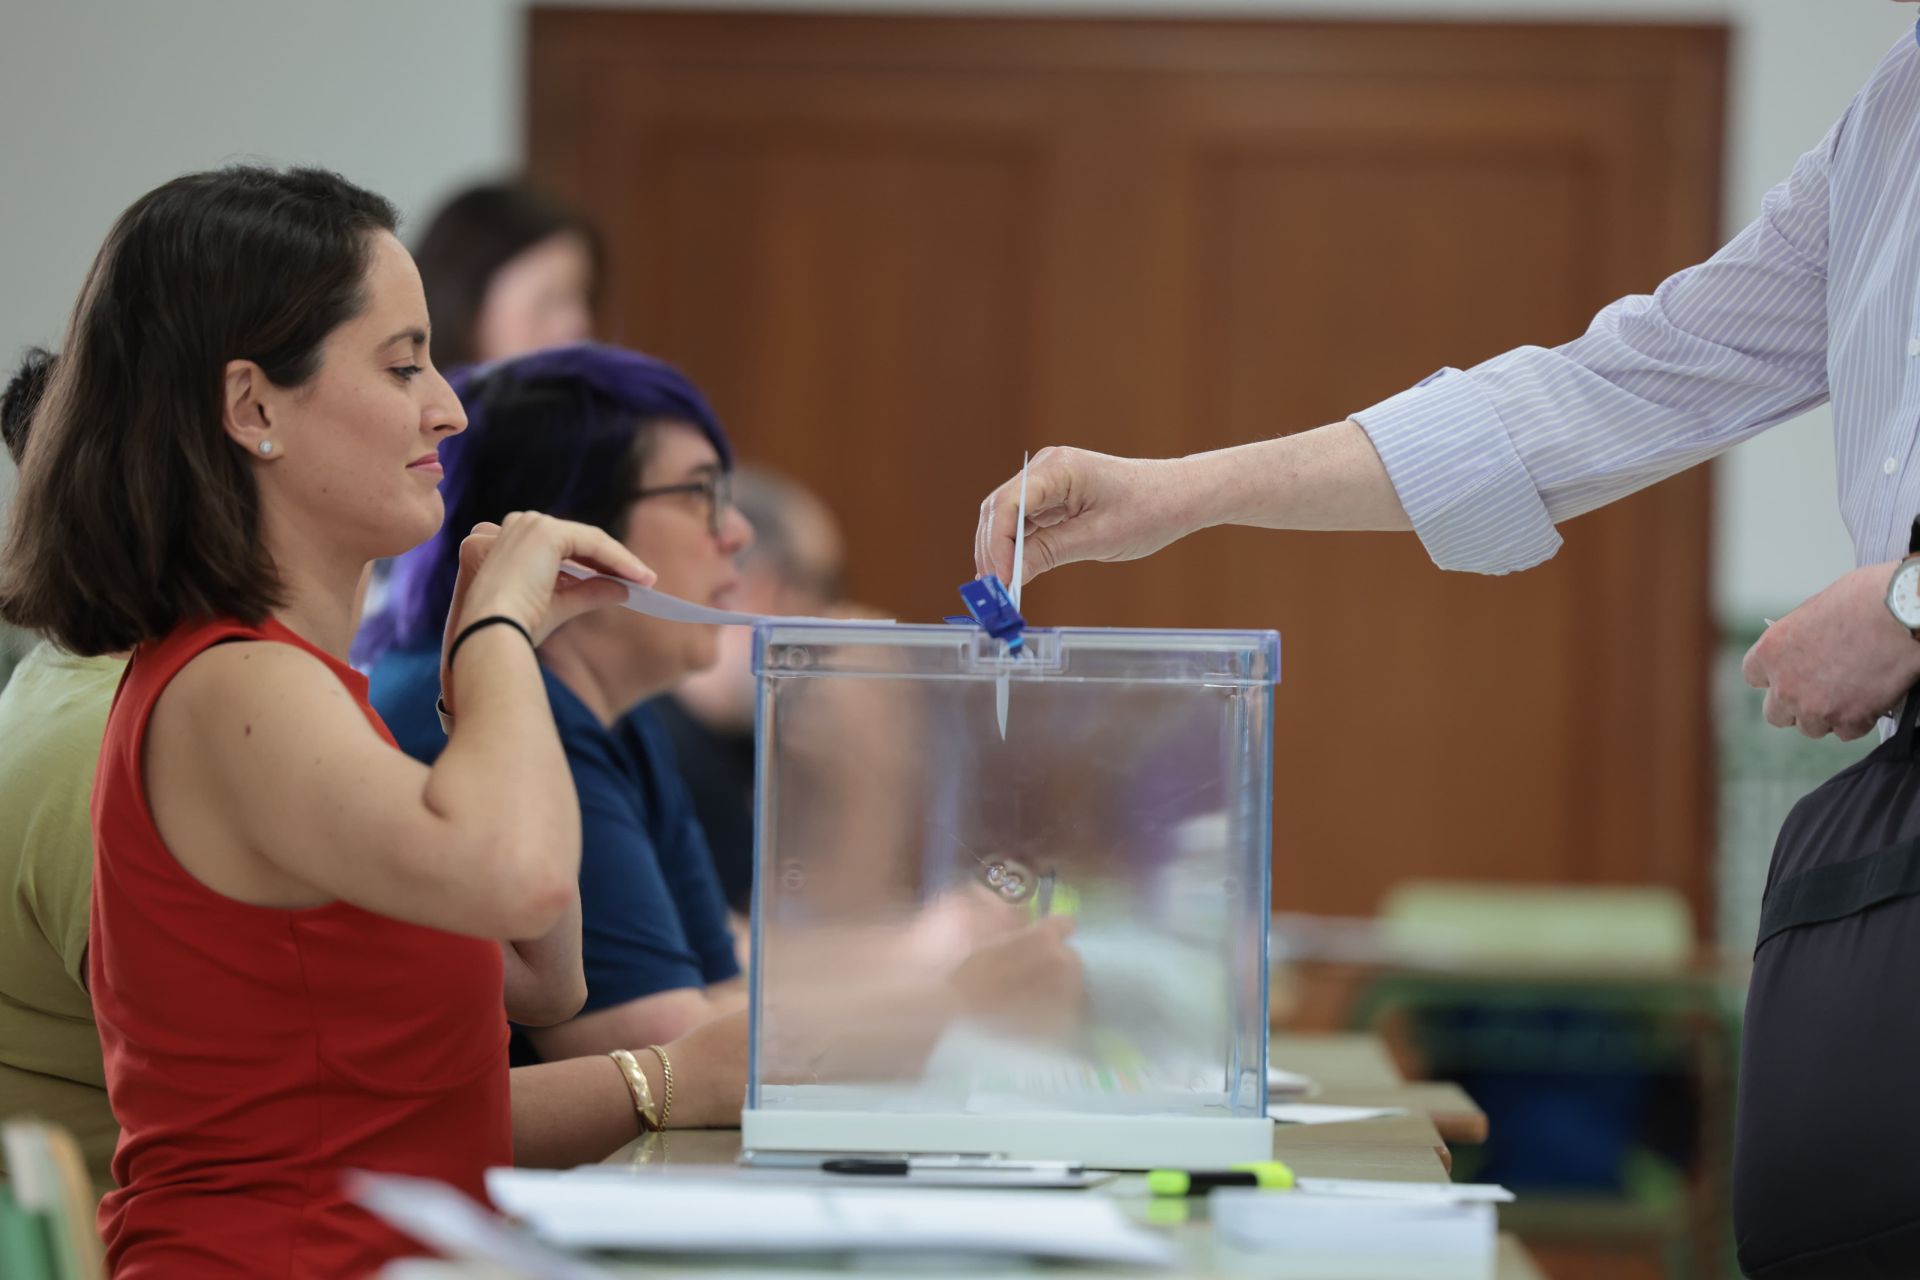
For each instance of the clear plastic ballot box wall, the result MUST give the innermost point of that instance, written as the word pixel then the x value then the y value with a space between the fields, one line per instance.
pixel 1012 903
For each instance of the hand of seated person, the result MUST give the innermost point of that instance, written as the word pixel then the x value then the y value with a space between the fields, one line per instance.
pixel 1027 983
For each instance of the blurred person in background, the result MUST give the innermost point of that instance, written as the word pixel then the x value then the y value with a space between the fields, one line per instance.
pixel 507 270
pixel 53 713
pixel 793 567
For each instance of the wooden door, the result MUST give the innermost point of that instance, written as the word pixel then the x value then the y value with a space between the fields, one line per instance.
pixel 899 251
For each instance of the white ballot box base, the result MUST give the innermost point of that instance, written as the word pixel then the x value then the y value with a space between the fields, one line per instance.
pixel 1097 1141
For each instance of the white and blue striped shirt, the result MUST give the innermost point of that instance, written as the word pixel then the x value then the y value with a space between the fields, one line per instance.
pixel 1818 299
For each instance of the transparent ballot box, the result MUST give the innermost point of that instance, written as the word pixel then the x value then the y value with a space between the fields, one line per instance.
pixel 1012 903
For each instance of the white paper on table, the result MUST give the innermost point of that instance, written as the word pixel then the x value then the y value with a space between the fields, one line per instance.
pixel 1407 1192
pixel 1315 1237
pixel 452 1223
pixel 589 1211
pixel 657 604
pixel 808 1173
pixel 1321 1113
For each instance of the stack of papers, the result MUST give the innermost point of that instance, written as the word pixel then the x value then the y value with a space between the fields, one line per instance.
pixel 589 1210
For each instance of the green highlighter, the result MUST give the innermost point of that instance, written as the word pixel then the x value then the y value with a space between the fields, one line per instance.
pixel 1268 1175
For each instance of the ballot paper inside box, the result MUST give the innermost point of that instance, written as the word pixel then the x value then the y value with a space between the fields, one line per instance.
pixel 911 991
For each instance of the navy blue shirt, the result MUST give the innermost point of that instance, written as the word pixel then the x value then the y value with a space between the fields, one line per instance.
pixel 652 916
pixel 402 686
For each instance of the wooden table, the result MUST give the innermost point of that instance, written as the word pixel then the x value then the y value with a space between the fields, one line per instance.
pixel 1353 1069
pixel 1403 1148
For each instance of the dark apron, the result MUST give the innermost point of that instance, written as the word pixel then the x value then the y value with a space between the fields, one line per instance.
pixel 1826 1179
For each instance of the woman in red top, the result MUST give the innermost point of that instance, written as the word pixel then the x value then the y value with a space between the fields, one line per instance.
pixel 290 949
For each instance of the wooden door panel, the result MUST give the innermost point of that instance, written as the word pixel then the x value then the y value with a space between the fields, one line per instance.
pixel 854 294
pixel 1297 324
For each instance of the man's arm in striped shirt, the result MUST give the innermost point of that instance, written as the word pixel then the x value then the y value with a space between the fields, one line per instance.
pixel 1488 461
pixel 1484 463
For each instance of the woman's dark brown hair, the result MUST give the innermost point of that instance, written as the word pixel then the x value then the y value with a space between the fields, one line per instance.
pixel 475 234
pixel 135 511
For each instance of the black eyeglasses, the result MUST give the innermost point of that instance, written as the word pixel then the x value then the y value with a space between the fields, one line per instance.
pixel 716 489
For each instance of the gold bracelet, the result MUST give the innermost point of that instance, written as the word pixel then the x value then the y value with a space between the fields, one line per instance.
pixel 637 1086
pixel 666 1071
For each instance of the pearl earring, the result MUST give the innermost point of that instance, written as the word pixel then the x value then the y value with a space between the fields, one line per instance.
pixel 266 446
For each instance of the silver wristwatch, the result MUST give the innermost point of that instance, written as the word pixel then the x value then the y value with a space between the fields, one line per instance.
pixel 1903 593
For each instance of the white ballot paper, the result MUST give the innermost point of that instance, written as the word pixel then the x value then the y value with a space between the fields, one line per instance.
pixel 589 1210
pixel 1408 1192
pixel 1013 590
pixel 657 604
pixel 1323 1113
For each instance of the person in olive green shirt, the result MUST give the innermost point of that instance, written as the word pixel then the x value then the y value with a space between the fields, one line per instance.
pixel 53 713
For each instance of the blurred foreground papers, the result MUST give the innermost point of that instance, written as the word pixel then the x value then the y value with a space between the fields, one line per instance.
pixel 590 1210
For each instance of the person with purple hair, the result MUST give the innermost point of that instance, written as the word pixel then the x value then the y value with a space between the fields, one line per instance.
pixel 625 443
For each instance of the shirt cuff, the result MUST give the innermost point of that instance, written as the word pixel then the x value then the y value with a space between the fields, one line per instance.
pixel 1459 477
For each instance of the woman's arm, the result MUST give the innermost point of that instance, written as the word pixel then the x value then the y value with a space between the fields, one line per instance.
pixel 544 978
pixel 653 1019
pixel 271 786
pixel 580 1110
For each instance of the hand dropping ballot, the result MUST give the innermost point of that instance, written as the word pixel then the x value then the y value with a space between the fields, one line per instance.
pixel 996 607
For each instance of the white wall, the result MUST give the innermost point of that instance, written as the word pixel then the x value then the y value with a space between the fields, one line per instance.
pixel 100 100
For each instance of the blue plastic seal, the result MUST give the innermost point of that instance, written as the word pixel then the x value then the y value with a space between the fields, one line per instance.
pixel 993 610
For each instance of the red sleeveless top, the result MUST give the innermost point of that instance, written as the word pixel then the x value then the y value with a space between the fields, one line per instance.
pixel 254 1053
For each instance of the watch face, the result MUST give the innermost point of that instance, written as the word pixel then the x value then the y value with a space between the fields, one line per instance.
pixel 1903 596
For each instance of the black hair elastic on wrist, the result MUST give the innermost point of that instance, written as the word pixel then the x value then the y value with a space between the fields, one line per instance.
pixel 492 619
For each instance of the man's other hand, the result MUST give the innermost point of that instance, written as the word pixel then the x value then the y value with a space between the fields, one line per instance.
pixel 1838 662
